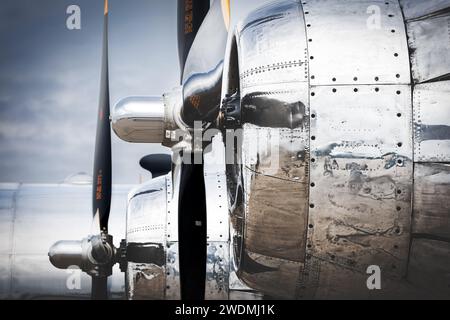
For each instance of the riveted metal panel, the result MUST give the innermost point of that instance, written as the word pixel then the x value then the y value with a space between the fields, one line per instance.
pixel 414 9
pixel 146 227
pixel 276 183
pixel 146 281
pixel 172 205
pixel 172 252
pixel 361 179
pixel 275 174
pixel 146 213
pixel 275 162
pixel 216 192
pixel 348 44
pixel 275 277
pixel 273 45
pixel 432 199
pixel 432 122
pixel 217 271
pixel 429 43
pixel 274 100
pixel 218 255
pixel 172 272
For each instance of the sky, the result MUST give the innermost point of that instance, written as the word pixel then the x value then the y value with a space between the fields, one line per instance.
pixel 50 77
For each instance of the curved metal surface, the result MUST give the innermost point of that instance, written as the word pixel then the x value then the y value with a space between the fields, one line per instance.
pixel 272 46
pixel 429 44
pixel 202 76
pixel 268 185
pixel 341 109
pixel 428 268
pixel 349 43
pixel 361 170
pixel 32 218
pixel 431 217
pixel 217 224
pixel 432 122
pixel 139 119
pixel 418 9
pixel 150 256
pixel 173 291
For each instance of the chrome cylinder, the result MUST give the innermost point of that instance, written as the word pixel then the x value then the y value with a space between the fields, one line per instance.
pixel 65 254
pixel 139 119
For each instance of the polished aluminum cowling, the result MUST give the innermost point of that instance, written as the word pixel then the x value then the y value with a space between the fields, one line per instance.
pixel 153 269
pixel 345 149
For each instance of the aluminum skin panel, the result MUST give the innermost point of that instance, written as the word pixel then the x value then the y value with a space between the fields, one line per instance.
pixel 146 218
pixel 172 252
pixel 216 192
pixel 173 291
pixel 432 122
pixel 429 44
pixel 431 205
pixel 272 42
pixel 218 254
pixel 276 197
pixel 217 271
pixel 348 44
pixel 146 238
pixel 415 9
pixel 429 268
pixel 268 193
pixel 361 182
pixel 146 281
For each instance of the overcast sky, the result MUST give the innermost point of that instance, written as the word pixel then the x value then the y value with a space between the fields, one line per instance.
pixel 49 81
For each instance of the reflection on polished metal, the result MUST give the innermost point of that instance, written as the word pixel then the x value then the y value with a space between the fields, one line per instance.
pixel 139 119
pixel 343 161
pixel 430 47
pixel 429 258
pixel 27 213
pixel 432 122
pixel 202 74
pixel 416 9
pixel 324 184
pixel 338 95
pixel 362 171
pixel 269 193
pixel 431 200
pixel 146 235
pixel 218 255
pixel 344 49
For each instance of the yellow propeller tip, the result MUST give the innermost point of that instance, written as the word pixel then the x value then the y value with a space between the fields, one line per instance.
pixel 106 6
pixel 226 12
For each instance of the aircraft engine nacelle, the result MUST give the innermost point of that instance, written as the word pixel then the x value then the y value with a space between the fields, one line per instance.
pixel 345 148
pixel 153 242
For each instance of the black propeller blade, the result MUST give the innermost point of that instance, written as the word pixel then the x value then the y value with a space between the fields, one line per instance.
pixel 190 17
pixel 202 73
pixel 101 183
pixel 201 101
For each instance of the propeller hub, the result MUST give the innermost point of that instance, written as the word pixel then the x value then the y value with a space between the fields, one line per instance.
pixel 94 255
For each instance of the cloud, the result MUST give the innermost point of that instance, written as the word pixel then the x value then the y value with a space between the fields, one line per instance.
pixel 49 81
